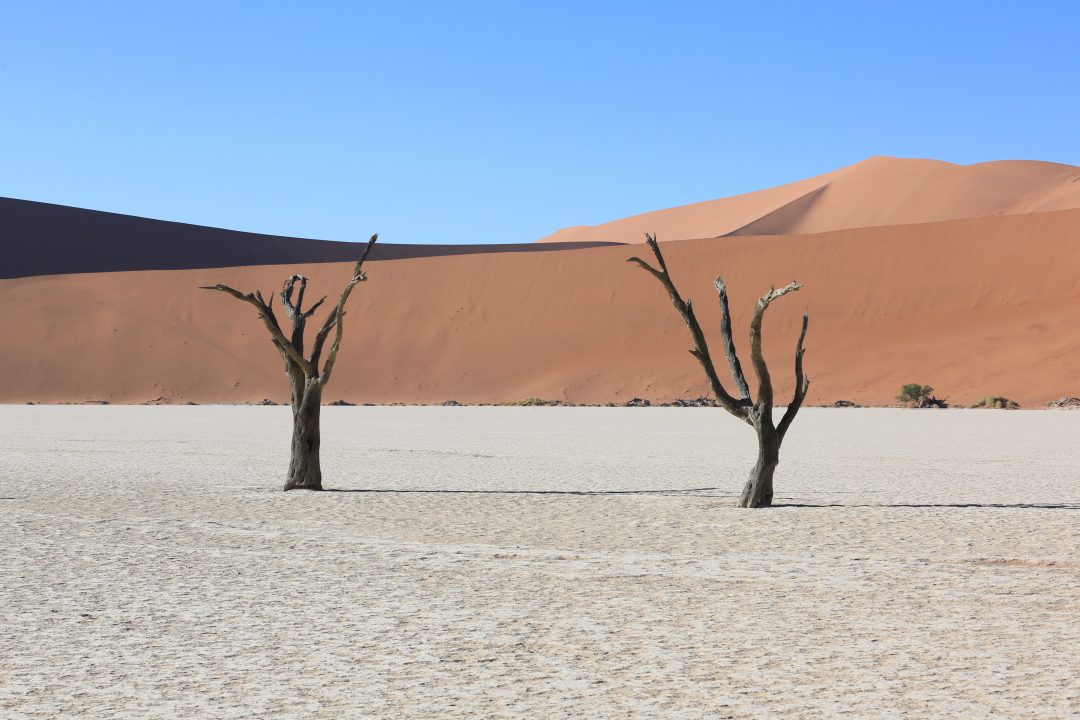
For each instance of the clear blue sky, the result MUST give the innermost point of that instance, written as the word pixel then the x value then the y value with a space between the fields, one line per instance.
pixel 504 121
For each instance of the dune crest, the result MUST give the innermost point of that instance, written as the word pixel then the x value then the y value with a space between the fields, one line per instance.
pixel 46 239
pixel 875 192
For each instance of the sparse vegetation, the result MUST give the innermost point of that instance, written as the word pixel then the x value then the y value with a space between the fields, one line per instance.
pixel 532 402
pixel 920 396
pixel 913 392
pixel 693 402
pixel 996 402
pixel 758 491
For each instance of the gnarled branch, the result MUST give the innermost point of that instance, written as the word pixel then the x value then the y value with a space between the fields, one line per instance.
pixel 802 383
pixel 686 310
pixel 311 310
pixel 765 389
pixel 335 319
pixel 286 295
pixel 295 313
pixel 266 314
pixel 729 342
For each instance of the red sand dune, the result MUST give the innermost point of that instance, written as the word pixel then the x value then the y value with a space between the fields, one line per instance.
pixel 877 191
pixel 973 307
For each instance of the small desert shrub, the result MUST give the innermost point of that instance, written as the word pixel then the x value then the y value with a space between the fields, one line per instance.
pixel 997 402
pixel 913 393
pixel 702 401
pixel 532 402
pixel 920 396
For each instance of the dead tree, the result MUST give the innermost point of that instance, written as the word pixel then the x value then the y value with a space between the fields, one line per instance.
pixel 758 491
pixel 306 379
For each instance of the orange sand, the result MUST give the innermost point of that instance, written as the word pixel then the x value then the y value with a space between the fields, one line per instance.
pixel 877 191
pixel 973 307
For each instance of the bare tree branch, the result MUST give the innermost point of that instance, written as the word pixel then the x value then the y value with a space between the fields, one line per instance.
pixel 647 267
pixel 267 316
pixel 802 383
pixel 311 310
pixel 295 312
pixel 650 239
pixel 336 317
pixel 290 367
pixel 701 347
pixel 320 337
pixel 729 342
pixel 286 295
pixel 765 388
pixel 300 295
pixel 268 308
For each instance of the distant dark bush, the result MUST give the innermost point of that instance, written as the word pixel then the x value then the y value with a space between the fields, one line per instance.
pixel 996 402
pixel 533 402
pixel 920 396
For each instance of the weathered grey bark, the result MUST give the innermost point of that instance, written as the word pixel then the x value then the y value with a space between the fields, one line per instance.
pixel 758 491
pixel 306 380
pixel 305 471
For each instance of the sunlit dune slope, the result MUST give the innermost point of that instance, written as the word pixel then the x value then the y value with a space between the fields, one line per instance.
pixel 972 307
pixel 878 191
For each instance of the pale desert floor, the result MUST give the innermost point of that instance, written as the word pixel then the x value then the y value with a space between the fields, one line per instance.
pixel 537 563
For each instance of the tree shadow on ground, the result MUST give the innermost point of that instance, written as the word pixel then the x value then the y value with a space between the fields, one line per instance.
pixel 679 492
pixel 695 492
pixel 1011 506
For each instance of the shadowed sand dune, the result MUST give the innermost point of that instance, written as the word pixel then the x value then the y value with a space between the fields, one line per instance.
pixel 45 239
pixel 875 192
pixel 973 307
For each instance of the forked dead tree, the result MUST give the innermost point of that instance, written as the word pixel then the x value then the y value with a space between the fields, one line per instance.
pixel 758 491
pixel 306 379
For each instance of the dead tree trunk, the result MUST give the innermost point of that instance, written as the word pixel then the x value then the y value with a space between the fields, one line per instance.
pixel 758 491
pixel 306 379
pixel 305 472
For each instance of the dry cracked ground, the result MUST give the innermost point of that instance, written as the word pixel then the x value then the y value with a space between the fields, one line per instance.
pixel 537 563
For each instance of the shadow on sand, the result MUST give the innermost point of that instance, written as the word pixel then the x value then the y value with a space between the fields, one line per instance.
pixel 993 506
pixel 679 492
pixel 692 492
